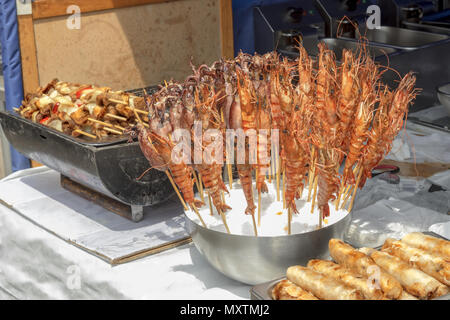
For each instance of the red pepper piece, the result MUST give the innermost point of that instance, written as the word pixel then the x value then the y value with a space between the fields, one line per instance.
pixel 55 107
pixel 43 120
pixel 79 92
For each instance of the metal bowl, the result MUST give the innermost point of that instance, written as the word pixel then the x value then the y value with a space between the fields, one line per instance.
pixel 254 260
pixel 443 93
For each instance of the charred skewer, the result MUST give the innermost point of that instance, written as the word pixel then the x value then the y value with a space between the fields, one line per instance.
pixel 85 133
pixel 116 117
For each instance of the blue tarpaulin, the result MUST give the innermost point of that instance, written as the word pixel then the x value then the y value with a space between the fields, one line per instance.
pixel 12 68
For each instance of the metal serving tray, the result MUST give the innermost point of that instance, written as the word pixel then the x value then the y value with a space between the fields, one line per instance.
pixel 109 167
pixel 106 141
pixel 263 291
pixel 337 45
pixel 401 38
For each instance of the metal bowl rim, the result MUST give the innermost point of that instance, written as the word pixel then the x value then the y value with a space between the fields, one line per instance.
pixel 438 88
pixel 265 237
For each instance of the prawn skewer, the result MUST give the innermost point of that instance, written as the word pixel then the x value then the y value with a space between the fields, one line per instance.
pixel 324 112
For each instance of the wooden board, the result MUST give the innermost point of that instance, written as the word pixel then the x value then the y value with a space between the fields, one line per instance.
pixel 28 53
pixel 226 29
pixel 54 8
pixel 130 47
pixel 30 75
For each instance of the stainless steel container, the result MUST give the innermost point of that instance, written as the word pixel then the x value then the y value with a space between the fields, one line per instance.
pixel 254 260
pixel 443 93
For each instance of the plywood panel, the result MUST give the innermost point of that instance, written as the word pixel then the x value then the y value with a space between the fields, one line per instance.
pixel 130 47
pixel 28 53
pixel 226 29
pixel 53 8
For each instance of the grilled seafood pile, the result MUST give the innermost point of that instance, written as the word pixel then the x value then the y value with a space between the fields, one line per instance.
pixel 334 122
pixel 74 109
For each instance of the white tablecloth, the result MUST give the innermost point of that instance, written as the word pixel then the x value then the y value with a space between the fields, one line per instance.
pixel 35 264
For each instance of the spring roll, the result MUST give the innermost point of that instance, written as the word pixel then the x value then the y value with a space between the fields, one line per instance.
pixel 349 257
pixel 322 286
pixel 406 296
pixel 286 290
pixel 348 277
pixel 414 281
pixel 429 263
pixel 367 251
pixel 428 243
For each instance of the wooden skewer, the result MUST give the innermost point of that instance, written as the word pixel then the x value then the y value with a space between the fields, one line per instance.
pixel 137 115
pixel 316 178
pixel 346 195
pixel 311 178
pixel 277 160
pixel 138 110
pixel 229 169
pixel 109 125
pixel 176 189
pixel 230 175
pixel 341 190
pixel 145 125
pixel 312 171
pixel 106 124
pixel 320 219
pixel 222 196
pixel 200 191
pixel 224 219
pixel 255 230
pixel 289 219
pixel 199 216
pixel 85 133
pixel 300 191
pixel 112 130
pixel 118 101
pixel 356 189
pixel 259 198
pixel 284 188
pixel 201 185
pixel 116 117
pixel 259 208
pixel 210 204
pixel 269 173
pixel 338 199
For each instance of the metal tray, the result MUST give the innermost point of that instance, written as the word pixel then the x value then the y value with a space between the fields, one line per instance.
pixel 110 168
pixel 107 141
pixel 263 291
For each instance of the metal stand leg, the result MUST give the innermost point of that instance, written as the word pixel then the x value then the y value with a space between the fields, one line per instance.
pixel 131 212
pixel 137 213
